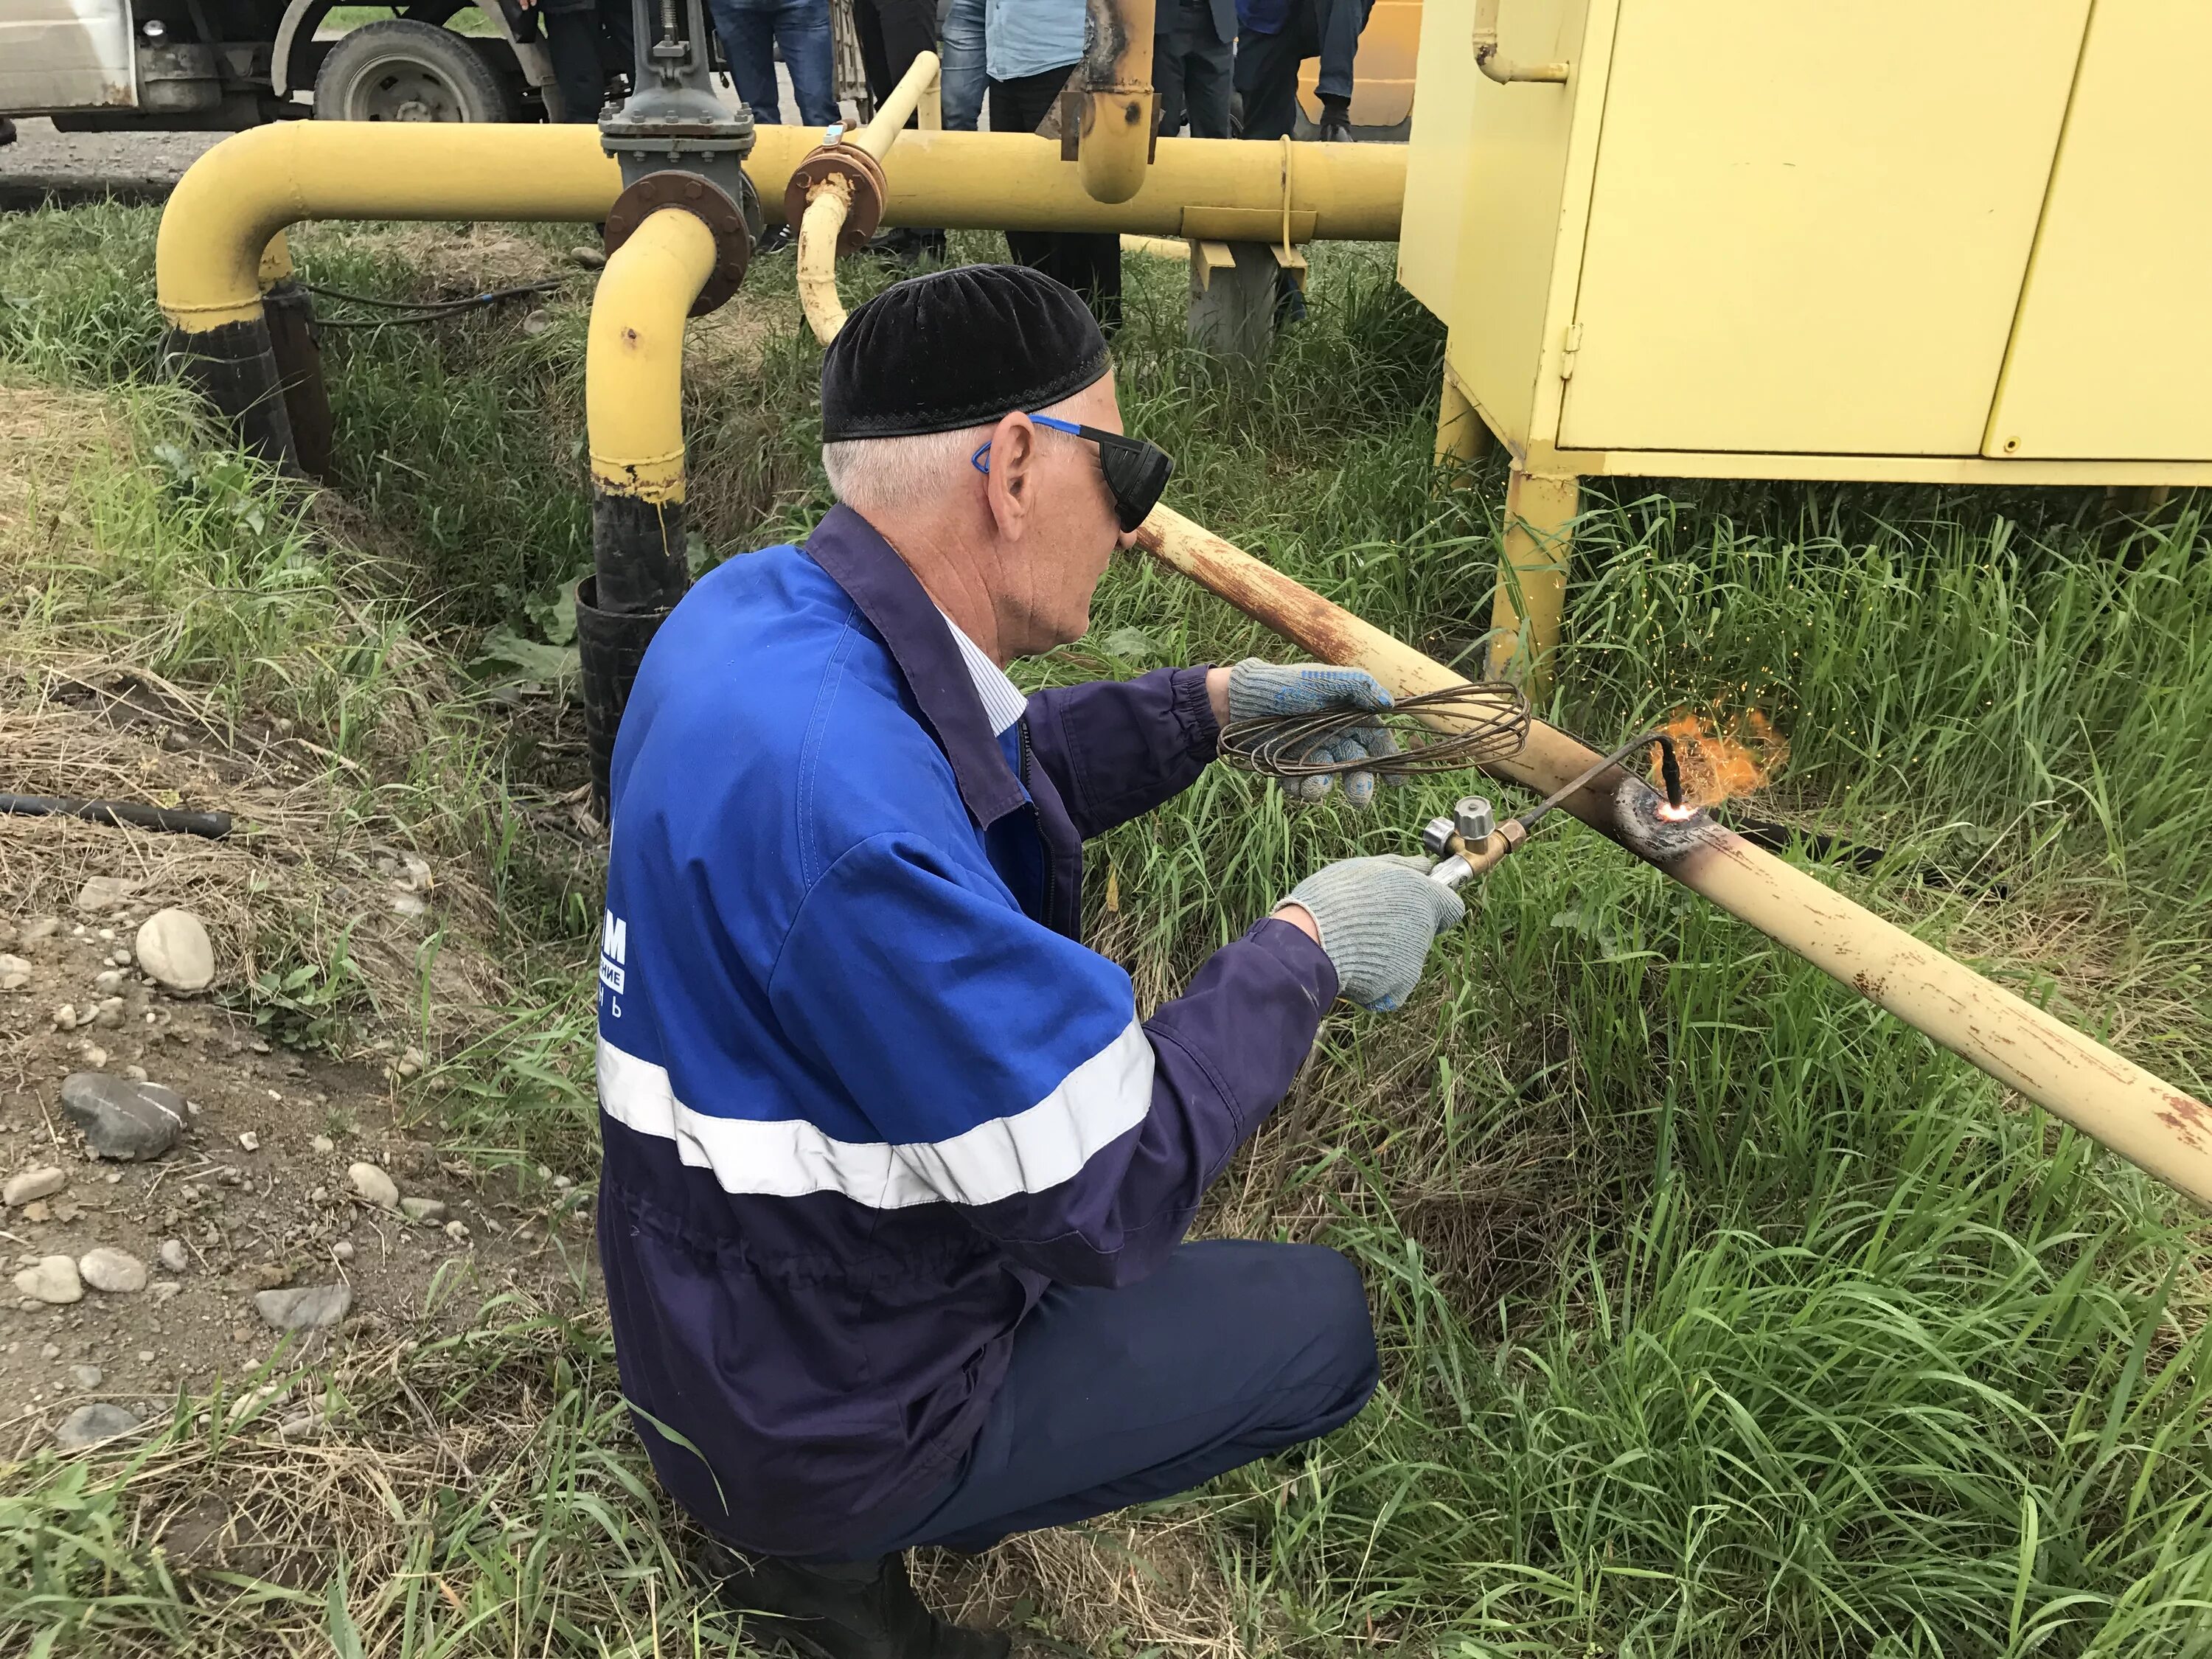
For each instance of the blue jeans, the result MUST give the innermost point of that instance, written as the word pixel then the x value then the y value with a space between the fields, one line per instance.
pixel 960 53
pixel 750 32
pixel 1230 1352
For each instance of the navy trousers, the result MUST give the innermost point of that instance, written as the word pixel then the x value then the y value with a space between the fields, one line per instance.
pixel 1231 1351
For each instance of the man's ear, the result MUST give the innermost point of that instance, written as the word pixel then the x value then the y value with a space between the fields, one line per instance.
pixel 1011 486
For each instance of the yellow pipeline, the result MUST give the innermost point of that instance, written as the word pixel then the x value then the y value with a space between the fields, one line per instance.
pixel 1228 190
pixel 247 188
pixel 1118 104
pixel 633 356
pixel 239 194
pixel 879 135
pixel 2144 1119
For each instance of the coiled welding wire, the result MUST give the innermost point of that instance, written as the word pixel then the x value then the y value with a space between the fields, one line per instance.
pixel 1492 717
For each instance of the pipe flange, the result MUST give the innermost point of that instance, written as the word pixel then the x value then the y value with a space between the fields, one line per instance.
pixel 706 201
pixel 859 169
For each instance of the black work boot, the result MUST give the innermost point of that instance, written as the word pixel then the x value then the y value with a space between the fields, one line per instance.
pixel 1336 120
pixel 866 1610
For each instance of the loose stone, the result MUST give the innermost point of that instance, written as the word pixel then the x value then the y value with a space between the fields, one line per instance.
pixel 174 952
pixel 305 1308
pixel 122 1119
pixel 52 1279
pixel 119 1273
pixel 40 1181
pixel 87 1425
pixel 373 1185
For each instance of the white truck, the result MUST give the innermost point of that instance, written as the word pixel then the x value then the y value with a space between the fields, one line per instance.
pixel 222 65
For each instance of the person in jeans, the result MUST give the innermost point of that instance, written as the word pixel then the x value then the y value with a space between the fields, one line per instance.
pixel 751 30
pixel 964 74
pixel 1031 47
pixel 1194 49
pixel 893 33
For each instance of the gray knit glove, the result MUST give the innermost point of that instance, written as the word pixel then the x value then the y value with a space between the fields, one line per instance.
pixel 1257 687
pixel 1377 919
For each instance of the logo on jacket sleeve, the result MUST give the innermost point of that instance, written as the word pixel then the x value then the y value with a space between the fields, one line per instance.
pixel 614 952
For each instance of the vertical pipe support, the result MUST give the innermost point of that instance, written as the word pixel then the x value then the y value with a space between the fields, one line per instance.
pixel 1118 105
pixel 1461 438
pixel 1532 578
pixel 633 406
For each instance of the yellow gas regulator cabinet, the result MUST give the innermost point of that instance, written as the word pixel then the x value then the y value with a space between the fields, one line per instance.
pixel 1935 241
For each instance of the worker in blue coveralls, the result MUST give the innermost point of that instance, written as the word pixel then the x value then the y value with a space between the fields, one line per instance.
pixel 896 1176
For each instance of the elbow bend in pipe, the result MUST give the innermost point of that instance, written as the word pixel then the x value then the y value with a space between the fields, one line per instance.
pixel 818 259
pixel 633 356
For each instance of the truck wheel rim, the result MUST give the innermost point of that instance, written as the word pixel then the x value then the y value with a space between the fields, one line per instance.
pixel 403 90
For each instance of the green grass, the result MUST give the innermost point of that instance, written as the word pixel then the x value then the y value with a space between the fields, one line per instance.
pixel 1723 1314
pixel 340 20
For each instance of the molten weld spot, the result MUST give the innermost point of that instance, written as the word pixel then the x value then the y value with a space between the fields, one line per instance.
pixel 1681 814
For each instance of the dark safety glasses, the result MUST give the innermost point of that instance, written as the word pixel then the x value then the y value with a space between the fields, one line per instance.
pixel 1136 472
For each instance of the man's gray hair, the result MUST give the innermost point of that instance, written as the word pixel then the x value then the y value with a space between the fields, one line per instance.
pixel 881 475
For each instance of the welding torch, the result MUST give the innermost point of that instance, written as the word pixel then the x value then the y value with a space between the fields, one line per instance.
pixel 1472 842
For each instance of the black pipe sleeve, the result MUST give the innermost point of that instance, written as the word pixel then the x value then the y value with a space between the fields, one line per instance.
pixel 290 310
pixel 637 551
pixel 610 646
pixel 234 367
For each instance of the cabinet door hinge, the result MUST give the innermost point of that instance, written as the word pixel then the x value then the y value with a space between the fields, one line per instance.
pixel 1571 344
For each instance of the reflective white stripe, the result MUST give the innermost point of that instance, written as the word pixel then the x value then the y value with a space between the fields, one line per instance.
pixel 1003 701
pixel 1028 1151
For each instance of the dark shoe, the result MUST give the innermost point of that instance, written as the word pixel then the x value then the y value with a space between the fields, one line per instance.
pixel 907 246
pixel 777 239
pixel 1335 121
pixel 866 1610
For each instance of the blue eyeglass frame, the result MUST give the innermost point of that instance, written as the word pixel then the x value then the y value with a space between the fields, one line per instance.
pixel 1136 472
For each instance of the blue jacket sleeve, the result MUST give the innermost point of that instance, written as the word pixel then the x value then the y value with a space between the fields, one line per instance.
pixel 1116 749
pixel 1005 1067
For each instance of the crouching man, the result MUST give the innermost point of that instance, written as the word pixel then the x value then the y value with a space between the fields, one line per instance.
pixel 896 1179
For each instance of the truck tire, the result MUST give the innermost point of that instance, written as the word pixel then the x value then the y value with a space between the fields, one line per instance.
pixel 403 71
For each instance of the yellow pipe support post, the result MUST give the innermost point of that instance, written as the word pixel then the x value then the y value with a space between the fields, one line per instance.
pixel 2147 1121
pixel 1532 578
pixel 633 410
pixel 1461 438
pixel 219 219
pixel 1119 109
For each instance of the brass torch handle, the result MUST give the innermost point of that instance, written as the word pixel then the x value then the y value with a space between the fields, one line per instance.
pixel 1463 863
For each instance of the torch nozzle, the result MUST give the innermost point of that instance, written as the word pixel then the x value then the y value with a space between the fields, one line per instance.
pixel 1670 769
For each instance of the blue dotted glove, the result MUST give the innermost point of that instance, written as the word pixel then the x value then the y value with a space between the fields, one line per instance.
pixel 1257 689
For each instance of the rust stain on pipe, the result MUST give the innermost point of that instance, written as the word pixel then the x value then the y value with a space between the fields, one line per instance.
pixel 2136 1115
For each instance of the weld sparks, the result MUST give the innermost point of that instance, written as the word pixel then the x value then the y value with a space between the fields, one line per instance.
pixel 1720 758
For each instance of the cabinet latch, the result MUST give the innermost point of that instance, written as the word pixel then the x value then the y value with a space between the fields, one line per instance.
pixel 1571 344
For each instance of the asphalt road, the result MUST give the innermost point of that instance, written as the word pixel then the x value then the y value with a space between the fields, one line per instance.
pixel 74 166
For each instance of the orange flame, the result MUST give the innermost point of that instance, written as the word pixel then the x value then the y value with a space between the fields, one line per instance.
pixel 1720 761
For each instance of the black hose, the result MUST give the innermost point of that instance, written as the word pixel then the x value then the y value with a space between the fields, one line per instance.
pixel 215 826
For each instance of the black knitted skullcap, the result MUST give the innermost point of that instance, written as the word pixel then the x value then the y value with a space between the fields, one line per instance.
pixel 957 348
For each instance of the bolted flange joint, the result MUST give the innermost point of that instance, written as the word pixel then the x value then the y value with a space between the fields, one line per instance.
pixel 860 171
pixel 706 201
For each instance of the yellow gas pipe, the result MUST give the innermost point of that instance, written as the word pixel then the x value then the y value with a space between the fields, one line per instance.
pixel 2144 1119
pixel 829 201
pixel 1115 125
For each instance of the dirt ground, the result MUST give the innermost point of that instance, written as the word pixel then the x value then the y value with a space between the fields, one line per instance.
pixel 255 1194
